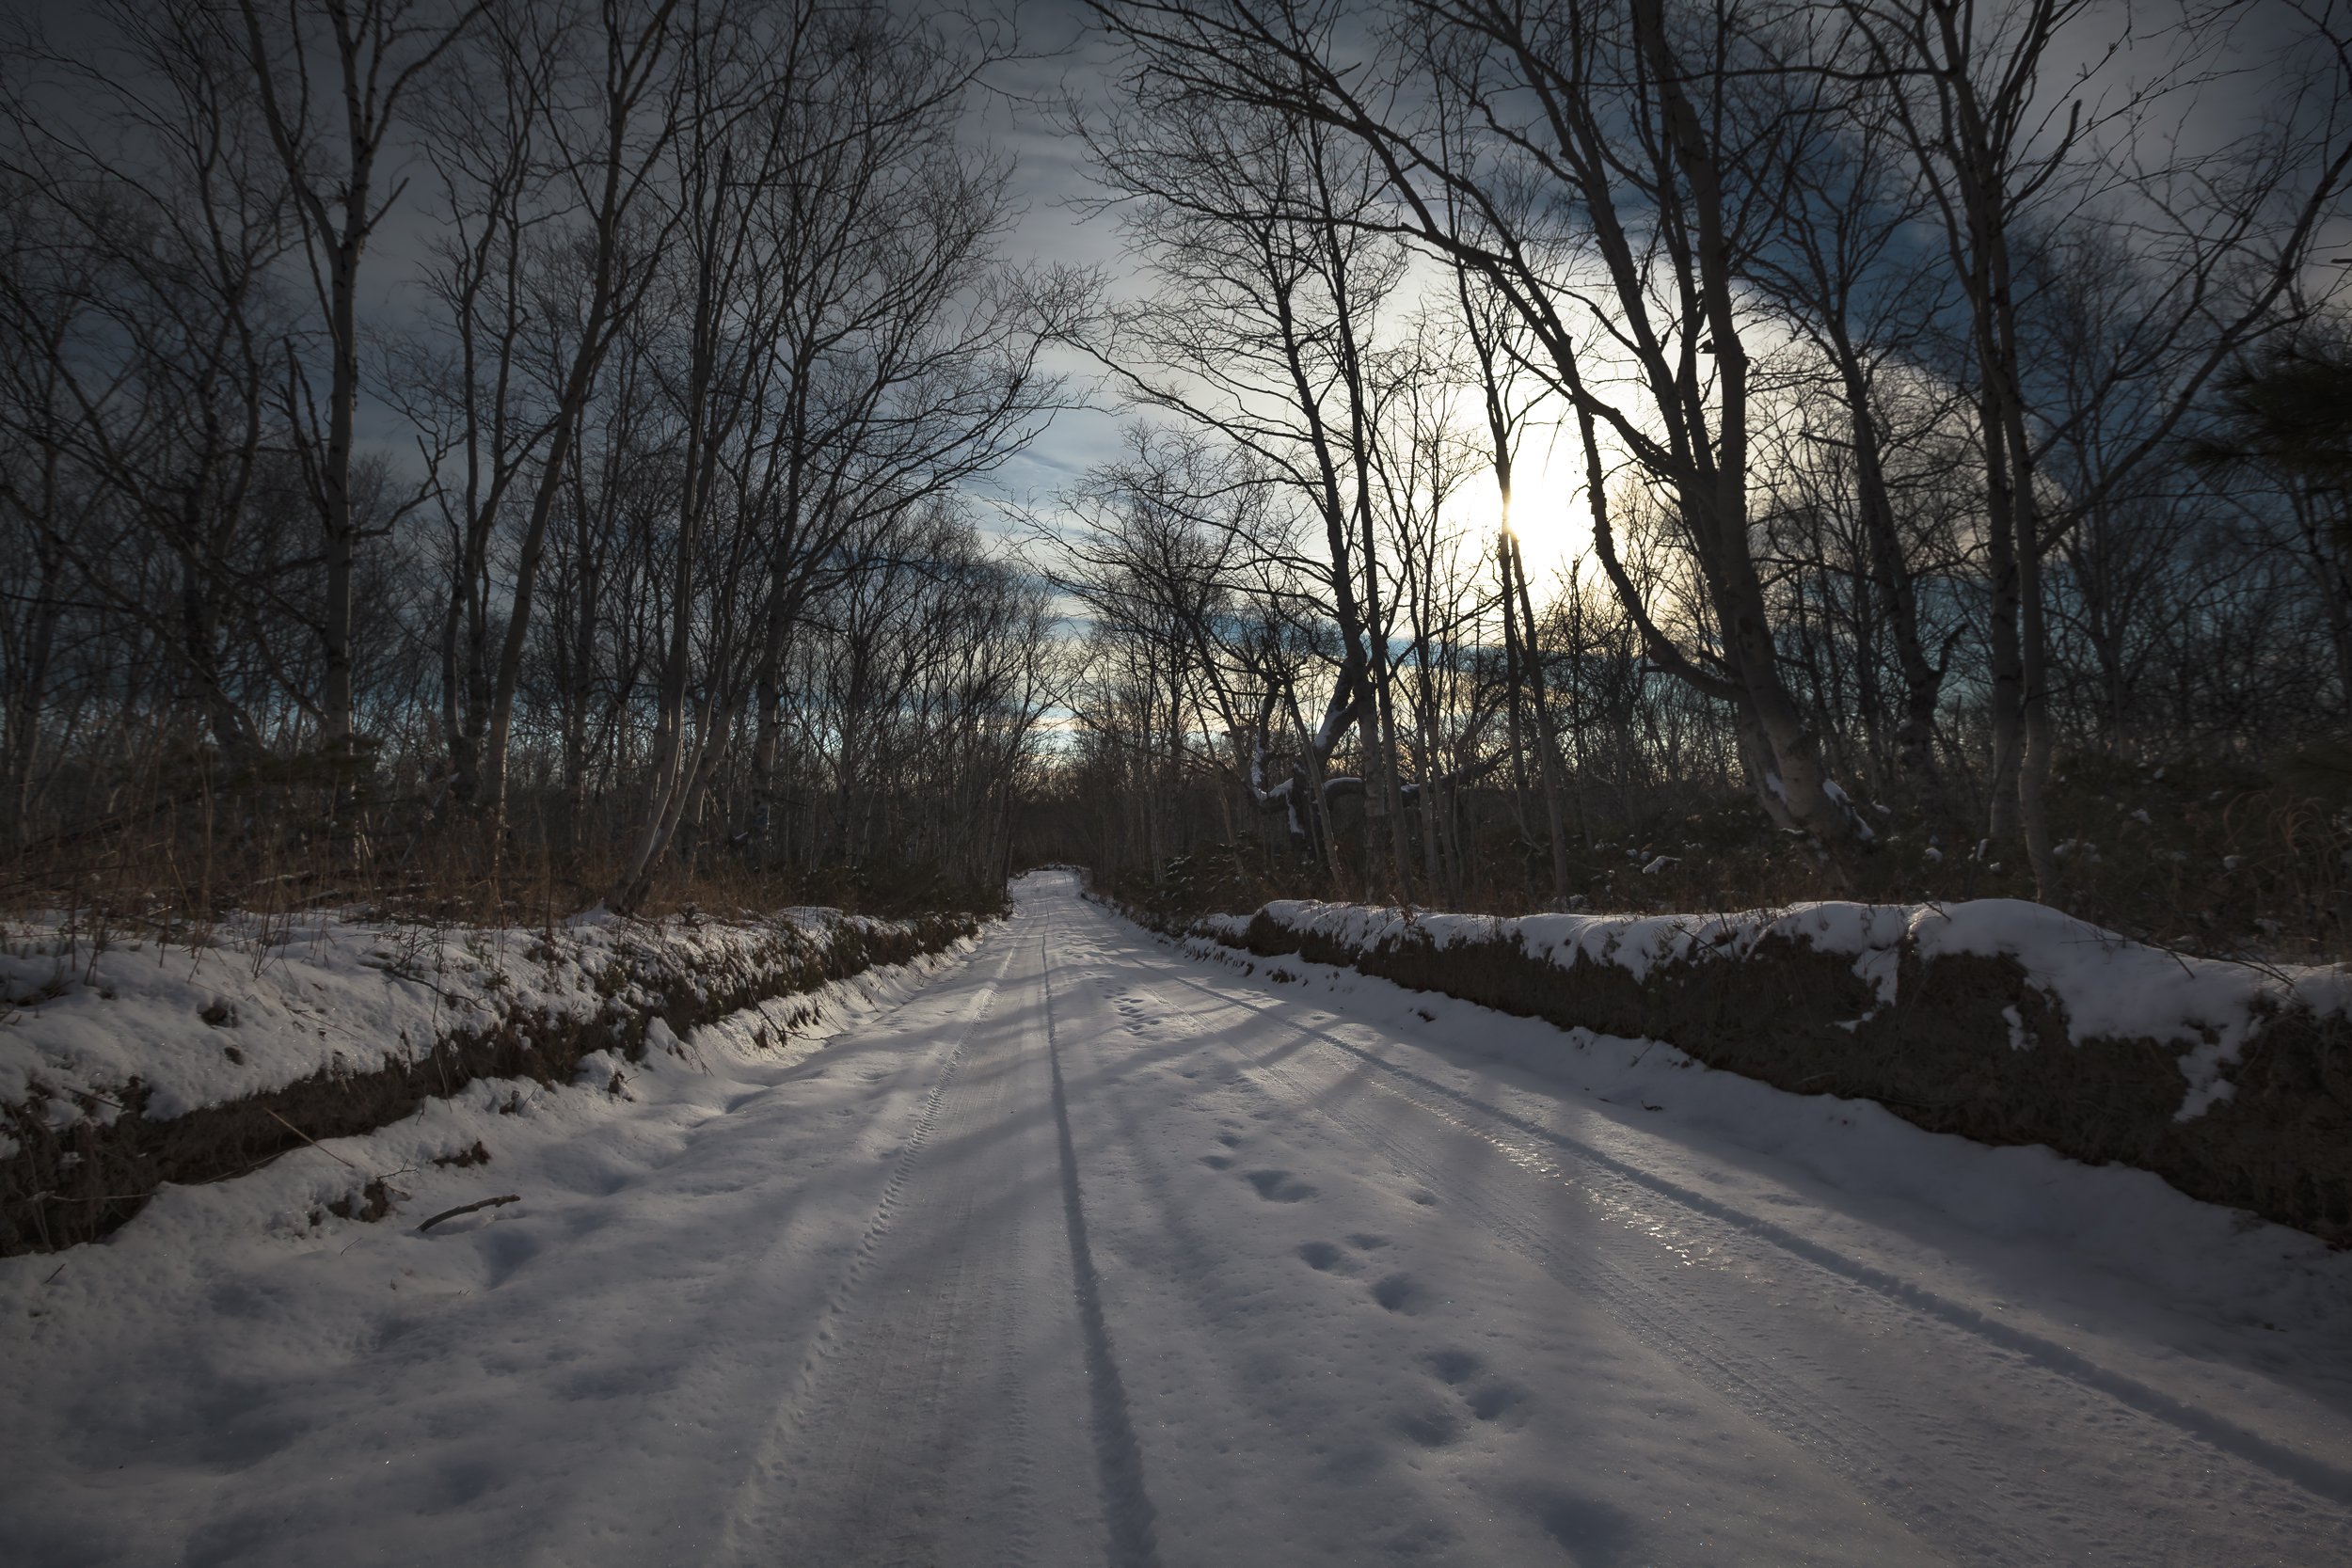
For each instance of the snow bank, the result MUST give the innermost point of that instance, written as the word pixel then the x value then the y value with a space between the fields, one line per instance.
pixel 2104 985
pixel 131 1062
pixel 2004 1021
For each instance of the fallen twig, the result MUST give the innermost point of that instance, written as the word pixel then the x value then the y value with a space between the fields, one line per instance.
pixel 304 1136
pixel 470 1208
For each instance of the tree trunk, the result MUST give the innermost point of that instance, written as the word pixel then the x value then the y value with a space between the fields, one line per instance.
pixel 1512 676
pixel 1515 565
pixel 2033 769
pixel 2005 654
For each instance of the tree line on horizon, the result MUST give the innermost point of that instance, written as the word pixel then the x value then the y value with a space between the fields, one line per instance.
pixel 1932 389
pixel 1942 404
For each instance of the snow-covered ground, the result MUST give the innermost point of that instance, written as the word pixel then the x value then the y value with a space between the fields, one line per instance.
pixel 2104 984
pixel 1076 1247
pixel 257 1002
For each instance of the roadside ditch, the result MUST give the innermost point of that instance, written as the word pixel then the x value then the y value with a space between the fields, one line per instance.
pixel 83 1147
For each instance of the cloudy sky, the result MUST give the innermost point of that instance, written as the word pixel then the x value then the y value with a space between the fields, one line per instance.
pixel 1073 63
pixel 1021 117
pixel 1062 60
pixel 2106 51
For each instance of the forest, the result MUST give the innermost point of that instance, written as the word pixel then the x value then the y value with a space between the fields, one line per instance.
pixel 524 455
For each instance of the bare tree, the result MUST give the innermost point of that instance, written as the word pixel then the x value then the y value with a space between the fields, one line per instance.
pixel 160 353
pixel 1265 332
pixel 847 349
pixel 609 115
pixel 1477 116
pixel 381 48
pixel 1837 266
pixel 2004 161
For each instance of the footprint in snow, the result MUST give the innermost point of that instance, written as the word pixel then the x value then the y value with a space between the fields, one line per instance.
pixel 1503 1403
pixel 1324 1257
pixel 1277 1186
pixel 1492 1399
pixel 1402 1293
pixel 1431 1429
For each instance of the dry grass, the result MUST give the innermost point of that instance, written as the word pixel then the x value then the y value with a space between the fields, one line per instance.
pixel 2208 858
pixel 182 870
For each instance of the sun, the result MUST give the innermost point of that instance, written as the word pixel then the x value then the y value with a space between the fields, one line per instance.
pixel 1548 509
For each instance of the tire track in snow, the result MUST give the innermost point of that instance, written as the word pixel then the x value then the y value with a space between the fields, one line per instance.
pixel 1397 1452
pixel 1783 1405
pixel 1118 1457
pixel 886 1212
pixel 837 1337
pixel 2313 1474
pixel 1775 1397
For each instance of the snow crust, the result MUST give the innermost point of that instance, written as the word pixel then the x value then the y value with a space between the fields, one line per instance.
pixel 2107 985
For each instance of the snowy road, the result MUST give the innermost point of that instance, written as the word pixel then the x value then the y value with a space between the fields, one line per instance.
pixel 1094 1253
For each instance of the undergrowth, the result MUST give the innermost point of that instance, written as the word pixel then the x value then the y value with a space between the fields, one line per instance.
pixel 181 878
pixel 2214 859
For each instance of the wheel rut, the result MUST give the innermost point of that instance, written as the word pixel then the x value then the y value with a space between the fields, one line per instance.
pixel 1870 1434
